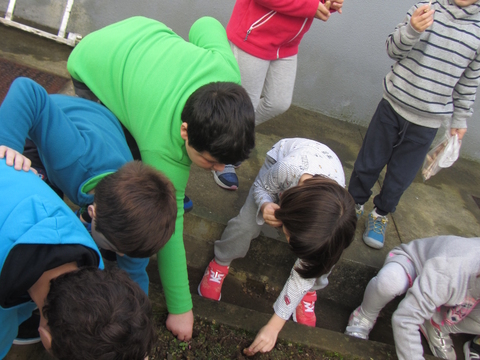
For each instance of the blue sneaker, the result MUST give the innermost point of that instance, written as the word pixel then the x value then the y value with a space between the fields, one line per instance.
pixel 227 178
pixel 374 235
pixel 187 204
pixel 359 210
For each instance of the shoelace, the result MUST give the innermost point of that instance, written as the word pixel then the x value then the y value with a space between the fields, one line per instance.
pixel 309 307
pixel 379 225
pixel 216 276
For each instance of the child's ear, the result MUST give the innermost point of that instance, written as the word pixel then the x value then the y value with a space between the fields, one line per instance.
pixel 91 211
pixel 183 131
pixel 46 337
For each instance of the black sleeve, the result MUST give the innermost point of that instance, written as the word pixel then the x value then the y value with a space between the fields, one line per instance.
pixel 27 262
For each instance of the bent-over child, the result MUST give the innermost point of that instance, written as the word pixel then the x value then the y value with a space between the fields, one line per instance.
pixel 300 187
pixel 435 80
pixel 441 279
pixel 50 262
pixel 129 207
pixel 181 102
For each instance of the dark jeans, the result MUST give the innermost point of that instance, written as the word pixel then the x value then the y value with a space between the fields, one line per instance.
pixel 393 141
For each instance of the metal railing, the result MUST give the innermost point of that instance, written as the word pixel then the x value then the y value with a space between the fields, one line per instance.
pixel 71 39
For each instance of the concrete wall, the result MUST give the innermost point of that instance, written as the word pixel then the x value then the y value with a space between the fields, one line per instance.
pixel 341 63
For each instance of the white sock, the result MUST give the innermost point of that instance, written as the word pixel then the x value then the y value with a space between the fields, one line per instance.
pixel 375 214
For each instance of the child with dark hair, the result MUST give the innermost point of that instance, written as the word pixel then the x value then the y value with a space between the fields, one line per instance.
pixel 433 81
pixel 48 260
pixel 181 102
pixel 117 325
pixel 131 206
pixel 300 187
pixel 441 279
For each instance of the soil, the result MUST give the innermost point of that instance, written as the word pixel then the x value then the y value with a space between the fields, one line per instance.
pixel 217 341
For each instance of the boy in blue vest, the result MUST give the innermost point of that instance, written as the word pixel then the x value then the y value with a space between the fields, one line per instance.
pixel 48 260
pixel 129 206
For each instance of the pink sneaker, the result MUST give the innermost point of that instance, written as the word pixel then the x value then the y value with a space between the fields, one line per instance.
pixel 212 281
pixel 305 311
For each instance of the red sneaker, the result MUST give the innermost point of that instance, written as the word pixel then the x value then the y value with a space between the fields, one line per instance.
pixel 305 311
pixel 212 281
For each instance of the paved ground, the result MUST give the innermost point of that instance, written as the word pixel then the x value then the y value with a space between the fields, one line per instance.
pixel 445 204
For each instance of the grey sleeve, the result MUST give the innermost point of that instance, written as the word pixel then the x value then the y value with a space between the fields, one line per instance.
pixel 403 38
pixel 269 184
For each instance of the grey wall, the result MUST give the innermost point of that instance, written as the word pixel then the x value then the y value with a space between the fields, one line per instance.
pixel 341 62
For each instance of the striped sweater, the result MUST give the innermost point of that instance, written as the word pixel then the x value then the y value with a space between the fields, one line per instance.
pixel 437 72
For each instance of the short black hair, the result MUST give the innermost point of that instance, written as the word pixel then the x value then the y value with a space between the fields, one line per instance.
pixel 221 121
pixel 99 315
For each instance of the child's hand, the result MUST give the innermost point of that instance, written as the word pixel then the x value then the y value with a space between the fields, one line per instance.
pixel 323 11
pixel 459 132
pixel 422 18
pixel 266 337
pixel 15 159
pixel 181 325
pixel 337 5
pixel 268 210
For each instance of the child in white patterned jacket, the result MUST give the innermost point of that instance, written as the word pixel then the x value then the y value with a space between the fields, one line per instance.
pixel 301 188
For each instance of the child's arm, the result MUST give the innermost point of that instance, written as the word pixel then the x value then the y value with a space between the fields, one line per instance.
pixel 269 184
pixel 407 34
pixel 266 337
pixel 297 8
pixel 15 159
pixel 464 95
pixel 292 294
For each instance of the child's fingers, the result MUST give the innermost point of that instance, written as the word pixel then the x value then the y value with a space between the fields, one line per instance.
pixel 26 164
pixel 10 157
pixel 256 346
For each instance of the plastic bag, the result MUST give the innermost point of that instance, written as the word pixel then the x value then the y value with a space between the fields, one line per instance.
pixel 442 155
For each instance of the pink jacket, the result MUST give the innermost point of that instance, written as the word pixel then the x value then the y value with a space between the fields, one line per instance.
pixel 270 29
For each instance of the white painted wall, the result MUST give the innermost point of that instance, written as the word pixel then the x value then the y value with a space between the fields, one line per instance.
pixel 341 62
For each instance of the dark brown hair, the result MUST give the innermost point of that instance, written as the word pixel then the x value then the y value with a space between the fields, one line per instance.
pixel 99 315
pixel 221 121
pixel 136 209
pixel 319 216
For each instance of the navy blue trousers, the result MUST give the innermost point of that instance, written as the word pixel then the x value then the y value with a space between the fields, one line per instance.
pixel 396 143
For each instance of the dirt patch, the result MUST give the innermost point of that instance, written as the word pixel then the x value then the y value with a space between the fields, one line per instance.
pixel 216 341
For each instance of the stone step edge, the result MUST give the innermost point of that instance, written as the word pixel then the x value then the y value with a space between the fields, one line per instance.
pixel 252 321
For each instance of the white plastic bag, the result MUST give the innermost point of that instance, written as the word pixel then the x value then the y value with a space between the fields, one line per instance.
pixel 442 155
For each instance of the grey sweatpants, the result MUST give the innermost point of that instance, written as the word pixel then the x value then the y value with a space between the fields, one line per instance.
pixel 275 78
pixel 240 230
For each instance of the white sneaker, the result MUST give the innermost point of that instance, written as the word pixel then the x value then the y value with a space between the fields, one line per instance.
pixel 359 326
pixel 440 344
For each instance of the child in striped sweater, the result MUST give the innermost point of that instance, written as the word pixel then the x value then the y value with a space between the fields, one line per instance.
pixel 434 80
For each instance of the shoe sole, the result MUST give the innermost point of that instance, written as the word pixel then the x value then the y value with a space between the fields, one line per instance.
pixel 372 243
pixel 26 341
pixel 200 293
pixel 222 185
